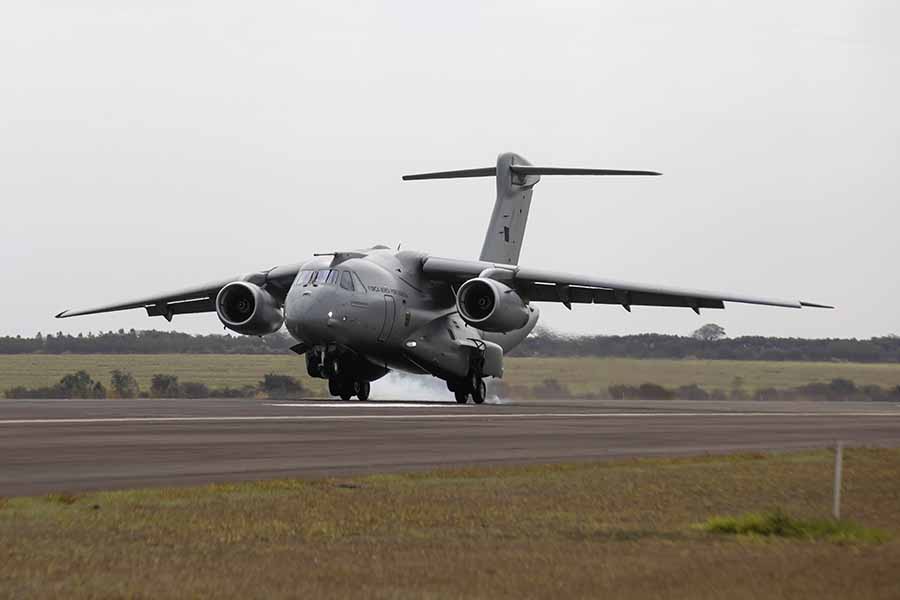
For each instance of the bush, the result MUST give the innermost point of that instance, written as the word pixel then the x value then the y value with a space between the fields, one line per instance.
pixel 74 385
pixel 164 386
pixel 192 389
pixel 778 524
pixel 80 385
pixel 767 394
pixel 123 385
pixel 248 391
pixel 282 386
pixel 645 391
pixel 651 391
pixel 691 392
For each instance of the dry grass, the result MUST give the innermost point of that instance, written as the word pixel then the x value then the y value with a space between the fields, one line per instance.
pixel 581 375
pixel 624 528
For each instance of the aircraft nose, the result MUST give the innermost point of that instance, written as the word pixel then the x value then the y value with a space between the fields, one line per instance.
pixel 309 318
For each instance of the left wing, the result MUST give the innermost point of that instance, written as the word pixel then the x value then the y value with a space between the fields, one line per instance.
pixel 540 285
pixel 197 299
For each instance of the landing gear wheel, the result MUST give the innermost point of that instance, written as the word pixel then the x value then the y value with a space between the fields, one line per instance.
pixel 346 392
pixel 461 397
pixel 362 390
pixel 479 391
pixel 334 388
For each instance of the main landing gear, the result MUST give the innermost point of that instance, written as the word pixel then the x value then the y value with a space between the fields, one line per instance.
pixel 473 386
pixel 346 388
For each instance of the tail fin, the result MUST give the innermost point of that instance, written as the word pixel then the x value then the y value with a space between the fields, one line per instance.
pixel 515 179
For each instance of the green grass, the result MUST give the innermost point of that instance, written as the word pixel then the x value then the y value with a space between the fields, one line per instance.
pixel 606 529
pixel 581 375
pixel 778 524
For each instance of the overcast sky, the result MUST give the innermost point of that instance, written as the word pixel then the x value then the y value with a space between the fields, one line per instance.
pixel 149 146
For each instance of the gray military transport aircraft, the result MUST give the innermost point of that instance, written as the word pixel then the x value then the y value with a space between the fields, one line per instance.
pixel 357 314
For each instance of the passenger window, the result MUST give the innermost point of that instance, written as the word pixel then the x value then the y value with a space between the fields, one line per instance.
pixel 347 281
pixel 333 277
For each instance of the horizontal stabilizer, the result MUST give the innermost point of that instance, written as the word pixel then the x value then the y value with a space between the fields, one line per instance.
pixel 485 172
pixel 533 170
pixel 524 170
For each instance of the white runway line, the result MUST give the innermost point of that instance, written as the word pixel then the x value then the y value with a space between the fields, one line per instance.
pixel 475 414
pixel 368 405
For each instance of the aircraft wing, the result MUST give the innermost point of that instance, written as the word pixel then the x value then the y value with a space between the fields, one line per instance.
pixel 197 299
pixel 541 285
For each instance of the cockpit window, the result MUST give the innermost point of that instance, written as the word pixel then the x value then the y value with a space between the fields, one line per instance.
pixel 304 277
pixel 333 277
pixel 359 282
pixel 347 281
pixel 321 277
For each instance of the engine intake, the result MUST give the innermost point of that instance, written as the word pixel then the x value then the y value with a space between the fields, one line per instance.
pixel 491 306
pixel 247 308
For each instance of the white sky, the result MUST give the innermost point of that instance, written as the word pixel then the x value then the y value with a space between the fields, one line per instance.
pixel 149 146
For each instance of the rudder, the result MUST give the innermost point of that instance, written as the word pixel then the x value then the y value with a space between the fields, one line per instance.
pixel 506 229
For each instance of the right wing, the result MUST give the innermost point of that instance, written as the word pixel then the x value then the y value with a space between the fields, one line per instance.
pixel 197 299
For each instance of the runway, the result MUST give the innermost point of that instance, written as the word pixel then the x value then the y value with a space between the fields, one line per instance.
pixel 73 445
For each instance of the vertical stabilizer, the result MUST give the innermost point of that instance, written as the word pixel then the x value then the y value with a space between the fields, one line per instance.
pixel 506 230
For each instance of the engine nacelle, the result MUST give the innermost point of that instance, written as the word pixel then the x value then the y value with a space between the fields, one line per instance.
pixel 489 305
pixel 246 308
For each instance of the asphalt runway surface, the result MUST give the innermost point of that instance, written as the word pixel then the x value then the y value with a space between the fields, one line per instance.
pixel 73 445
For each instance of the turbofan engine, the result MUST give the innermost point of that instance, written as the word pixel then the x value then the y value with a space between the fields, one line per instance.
pixel 247 308
pixel 489 305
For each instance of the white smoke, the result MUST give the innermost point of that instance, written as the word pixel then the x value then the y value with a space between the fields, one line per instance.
pixel 418 388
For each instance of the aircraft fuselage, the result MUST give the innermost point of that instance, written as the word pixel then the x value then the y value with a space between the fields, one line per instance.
pixel 374 310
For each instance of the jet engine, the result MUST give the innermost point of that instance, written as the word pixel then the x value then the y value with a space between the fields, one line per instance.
pixel 489 305
pixel 246 308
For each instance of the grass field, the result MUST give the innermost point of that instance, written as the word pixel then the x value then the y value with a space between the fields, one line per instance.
pixel 582 375
pixel 632 528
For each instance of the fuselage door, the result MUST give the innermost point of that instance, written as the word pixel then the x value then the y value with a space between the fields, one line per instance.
pixel 390 313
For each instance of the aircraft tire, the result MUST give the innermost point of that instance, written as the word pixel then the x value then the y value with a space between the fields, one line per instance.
pixel 479 391
pixel 333 388
pixel 362 390
pixel 347 393
pixel 461 397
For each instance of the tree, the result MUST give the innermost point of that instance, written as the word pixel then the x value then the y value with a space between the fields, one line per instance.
pixel 709 333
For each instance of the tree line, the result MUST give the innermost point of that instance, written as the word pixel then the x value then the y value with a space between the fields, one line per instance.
pixel 653 345
pixel 542 343
pixel 145 342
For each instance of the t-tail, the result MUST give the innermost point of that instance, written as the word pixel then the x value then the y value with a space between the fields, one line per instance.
pixel 516 178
